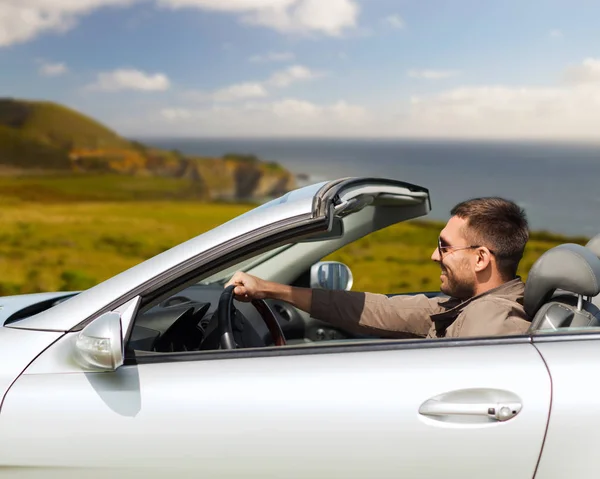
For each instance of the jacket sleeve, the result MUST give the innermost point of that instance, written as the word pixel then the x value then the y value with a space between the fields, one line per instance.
pixel 370 313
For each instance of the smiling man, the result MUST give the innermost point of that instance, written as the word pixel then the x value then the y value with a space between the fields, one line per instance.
pixel 478 251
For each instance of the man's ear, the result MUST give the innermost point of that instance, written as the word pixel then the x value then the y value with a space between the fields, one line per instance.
pixel 483 259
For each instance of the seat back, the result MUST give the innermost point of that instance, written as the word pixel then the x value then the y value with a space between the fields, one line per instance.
pixel 563 311
pixel 556 288
pixel 594 246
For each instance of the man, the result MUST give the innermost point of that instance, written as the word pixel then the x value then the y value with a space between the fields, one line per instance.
pixel 478 251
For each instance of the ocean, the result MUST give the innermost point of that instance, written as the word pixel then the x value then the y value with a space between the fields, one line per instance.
pixel 558 184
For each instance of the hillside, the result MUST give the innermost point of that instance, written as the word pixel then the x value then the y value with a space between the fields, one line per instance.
pixel 45 139
pixel 20 150
pixel 56 125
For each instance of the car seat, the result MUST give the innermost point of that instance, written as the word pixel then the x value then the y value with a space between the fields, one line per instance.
pixel 559 287
pixel 594 246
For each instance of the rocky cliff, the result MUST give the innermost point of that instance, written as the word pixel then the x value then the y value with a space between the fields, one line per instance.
pixel 46 138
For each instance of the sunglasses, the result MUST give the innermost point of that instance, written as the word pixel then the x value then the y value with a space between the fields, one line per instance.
pixel 442 248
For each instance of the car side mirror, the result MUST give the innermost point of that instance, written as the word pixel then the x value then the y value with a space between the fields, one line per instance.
pixel 99 346
pixel 331 275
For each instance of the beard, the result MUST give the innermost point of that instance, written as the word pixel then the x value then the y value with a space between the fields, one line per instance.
pixel 458 282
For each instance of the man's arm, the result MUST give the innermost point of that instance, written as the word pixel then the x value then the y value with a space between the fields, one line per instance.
pixel 361 313
pixel 376 314
pixel 249 288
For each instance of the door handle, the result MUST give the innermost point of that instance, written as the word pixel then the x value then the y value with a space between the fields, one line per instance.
pixel 501 411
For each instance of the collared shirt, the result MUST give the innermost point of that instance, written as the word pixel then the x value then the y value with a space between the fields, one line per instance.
pixel 497 312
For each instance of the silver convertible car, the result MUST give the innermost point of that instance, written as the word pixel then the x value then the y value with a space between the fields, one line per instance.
pixel 159 372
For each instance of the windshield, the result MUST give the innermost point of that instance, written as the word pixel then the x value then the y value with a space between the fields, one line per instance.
pixel 223 276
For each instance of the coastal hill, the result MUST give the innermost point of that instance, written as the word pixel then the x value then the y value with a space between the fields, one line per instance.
pixel 47 140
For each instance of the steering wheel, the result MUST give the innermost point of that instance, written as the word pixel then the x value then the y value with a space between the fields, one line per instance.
pixel 227 310
pixel 183 334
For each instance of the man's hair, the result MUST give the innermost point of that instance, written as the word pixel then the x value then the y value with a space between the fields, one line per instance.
pixel 498 224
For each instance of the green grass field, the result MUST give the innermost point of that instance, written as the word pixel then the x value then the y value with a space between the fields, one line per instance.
pixel 73 188
pixel 48 246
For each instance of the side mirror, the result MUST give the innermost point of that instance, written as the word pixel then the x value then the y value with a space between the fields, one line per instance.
pixel 331 275
pixel 99 346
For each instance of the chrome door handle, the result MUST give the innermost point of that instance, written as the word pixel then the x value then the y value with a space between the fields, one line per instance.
pixel 502 411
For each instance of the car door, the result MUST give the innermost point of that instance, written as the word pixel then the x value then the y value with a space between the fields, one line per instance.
pixel 386 409
pixel 574 428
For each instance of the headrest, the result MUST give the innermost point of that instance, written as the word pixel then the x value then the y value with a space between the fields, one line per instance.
pixel 569 267
pixel 594 245
pixel 563 311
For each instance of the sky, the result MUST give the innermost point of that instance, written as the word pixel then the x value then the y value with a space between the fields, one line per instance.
pixel 465 69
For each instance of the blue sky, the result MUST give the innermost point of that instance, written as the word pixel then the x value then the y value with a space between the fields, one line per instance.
pixel 458 69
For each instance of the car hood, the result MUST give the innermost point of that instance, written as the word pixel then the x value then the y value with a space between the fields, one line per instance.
pixel 13 308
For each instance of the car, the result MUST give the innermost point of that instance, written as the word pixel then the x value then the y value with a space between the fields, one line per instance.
pixel 159 371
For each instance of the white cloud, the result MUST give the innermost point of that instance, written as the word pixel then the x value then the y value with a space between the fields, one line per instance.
pixel 234 6
pixel 330 17
pixel 289 117
pixel 432 74
pixel 587 72
pixel 498 111
pixel 272 57
pixel 249 90
pixel 567 111
pixel 294 109
pixel 23 20
pixel 293 112
pixel 559 111
pixel 556 33
pixel 129 79
pixel 52 69
pixel 239 92
pixel 395 21
pixel 176 114
pixel 291 75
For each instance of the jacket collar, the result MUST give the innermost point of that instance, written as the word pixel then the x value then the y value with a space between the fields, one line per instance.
pixel 512 289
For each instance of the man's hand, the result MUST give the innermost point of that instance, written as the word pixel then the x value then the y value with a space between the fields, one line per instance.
pixel 248 288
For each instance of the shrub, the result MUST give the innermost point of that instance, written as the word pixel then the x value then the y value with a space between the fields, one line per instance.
pixel 7 288
pixel 121 244
pixel 73 280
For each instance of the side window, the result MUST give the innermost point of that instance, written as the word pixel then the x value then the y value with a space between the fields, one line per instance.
pixel 194 304
pixel 186 319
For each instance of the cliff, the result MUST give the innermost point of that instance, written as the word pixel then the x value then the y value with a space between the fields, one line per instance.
pixel 44 138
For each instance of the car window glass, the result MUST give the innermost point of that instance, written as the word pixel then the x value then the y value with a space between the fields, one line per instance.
pixel 224 275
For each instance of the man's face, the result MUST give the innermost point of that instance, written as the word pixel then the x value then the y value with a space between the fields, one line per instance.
pixel 456 260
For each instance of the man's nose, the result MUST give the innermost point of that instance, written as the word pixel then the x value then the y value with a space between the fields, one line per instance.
pixel 435 256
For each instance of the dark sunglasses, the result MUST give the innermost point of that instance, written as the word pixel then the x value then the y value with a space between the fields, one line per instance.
pixel 442 248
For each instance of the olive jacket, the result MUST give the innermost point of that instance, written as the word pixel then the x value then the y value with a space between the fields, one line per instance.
pixel 497 312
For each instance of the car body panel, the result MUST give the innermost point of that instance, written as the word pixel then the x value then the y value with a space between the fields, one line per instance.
pixel 12 305
pixel 574 428
pixel 302 415
pixel 17 350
